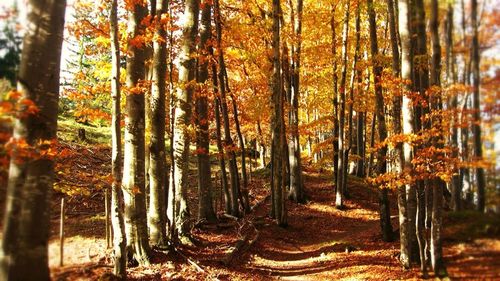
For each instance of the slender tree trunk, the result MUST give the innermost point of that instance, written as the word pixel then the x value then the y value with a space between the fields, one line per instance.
pixel 476 116
pixel 228 141
pixel 220 147
pixel 335 105
pixel 341 175
pixel 157 151
pixel 133 164
pixel 438 185
pixel 182 118
pixel 117 221
pixel 451 78
pixel 385 220
pixel 296 184
pixel 205 207
pixel 23 255
pixel 278 165
pixel 244 190
pixel 398 149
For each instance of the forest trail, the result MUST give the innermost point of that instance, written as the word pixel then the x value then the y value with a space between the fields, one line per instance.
pixel 324 243
pixel 312 246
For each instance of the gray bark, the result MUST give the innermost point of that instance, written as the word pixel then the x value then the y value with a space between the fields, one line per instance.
pixel 182 118
pixel 157 151
pixel 133 184
pixel 23 254
pixel 342 173
pixel 117 220
pixel 397 166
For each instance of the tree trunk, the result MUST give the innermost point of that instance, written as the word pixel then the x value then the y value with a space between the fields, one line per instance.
pixel 244 190
pixel 476 116
pixel 398 160
pixel 342 173
pixel 182 118
pixel 451 78
pixel 278 165
pixel 220 147
pixel 205 207
pixel 26 230
pixel 133 164
pixel 117 221
pixel 436 251
pixel 335 106
pixel 296 192
pixel 385 220
pixel 157 151
pixel 228 141
pixel 262 150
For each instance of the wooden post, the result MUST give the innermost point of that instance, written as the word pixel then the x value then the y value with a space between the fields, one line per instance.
pixel 61 234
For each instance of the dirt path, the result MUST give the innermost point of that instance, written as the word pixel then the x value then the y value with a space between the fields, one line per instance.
pixel 323 243
pixel 312 247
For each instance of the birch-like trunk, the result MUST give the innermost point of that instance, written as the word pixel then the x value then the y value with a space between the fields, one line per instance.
pixel 133 184
pixel 117 220
pixel 182 118
pixel 157 151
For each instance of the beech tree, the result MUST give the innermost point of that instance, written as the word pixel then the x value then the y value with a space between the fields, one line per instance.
pixel 23 254
pixel 182 117
pixel 133 184
pixel 117 221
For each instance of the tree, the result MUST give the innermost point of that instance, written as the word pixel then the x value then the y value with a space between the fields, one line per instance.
pixel 134 193
pixel 476 116
pixel 205 208
pixel 342 172
pixel 157 151
pixel 31 175
pixel 385 220
pixel 438 185
pixel 182 118
pixel 398 160
pixel 228 141
pixel 118 224
pixel 277 154
pixel 296 192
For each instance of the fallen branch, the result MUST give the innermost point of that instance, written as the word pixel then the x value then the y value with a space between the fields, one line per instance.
pixel 242 244
pixel 260 203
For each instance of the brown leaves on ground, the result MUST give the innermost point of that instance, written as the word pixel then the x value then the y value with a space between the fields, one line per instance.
pixel 320 243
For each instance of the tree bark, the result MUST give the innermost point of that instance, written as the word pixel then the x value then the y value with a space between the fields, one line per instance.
pixel 385 221
pixel 296 192
pixel 205 207
pixel 157 151
pixel 133 184
pixel 397 152
pixel 335 104
pixel 182 118
pixel 23 254
pixel 476 116
pixel 278 165
pixel 117 221
pixel 342 173
pixel 228 141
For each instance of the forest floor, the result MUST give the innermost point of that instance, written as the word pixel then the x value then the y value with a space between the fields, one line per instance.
pixel 319 243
